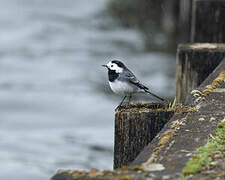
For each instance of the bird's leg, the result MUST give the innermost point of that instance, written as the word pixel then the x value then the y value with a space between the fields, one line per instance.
pixel 121 102
pixel 130 96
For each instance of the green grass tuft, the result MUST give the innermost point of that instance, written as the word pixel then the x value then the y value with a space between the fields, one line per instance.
pixel 172 105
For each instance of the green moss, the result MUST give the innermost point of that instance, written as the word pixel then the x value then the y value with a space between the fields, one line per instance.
pixel 181 178
pixel 205 153
pixel 199 160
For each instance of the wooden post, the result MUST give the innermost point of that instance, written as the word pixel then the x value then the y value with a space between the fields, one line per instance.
pixel 185 16
pixel 208 24
pixel 135 127
pixel 194 63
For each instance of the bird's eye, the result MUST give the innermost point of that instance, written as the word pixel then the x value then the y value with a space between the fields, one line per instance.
pixel 111 65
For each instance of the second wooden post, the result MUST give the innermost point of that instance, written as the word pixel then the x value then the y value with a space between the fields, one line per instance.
pixel 194 63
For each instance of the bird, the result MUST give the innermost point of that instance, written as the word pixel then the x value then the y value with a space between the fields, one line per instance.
pixel 123 82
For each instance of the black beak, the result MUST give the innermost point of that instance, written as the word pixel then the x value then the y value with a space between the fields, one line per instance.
pixel 105 66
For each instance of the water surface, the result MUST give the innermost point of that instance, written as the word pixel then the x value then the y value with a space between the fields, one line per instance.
pixel 56 109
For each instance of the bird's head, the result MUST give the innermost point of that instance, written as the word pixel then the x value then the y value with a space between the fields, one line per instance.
pixel 115 65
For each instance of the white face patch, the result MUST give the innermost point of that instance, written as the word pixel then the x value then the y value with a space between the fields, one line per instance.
pixel 115 67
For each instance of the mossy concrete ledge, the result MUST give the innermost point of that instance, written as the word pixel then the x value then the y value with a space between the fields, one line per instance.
pixel 194 132
pixel 185 133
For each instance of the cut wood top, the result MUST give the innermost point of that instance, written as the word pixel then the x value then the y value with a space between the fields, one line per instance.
pixel 142 107
pixel 202 46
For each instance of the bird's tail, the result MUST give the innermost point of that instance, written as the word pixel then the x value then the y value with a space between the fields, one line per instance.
pixel 147 91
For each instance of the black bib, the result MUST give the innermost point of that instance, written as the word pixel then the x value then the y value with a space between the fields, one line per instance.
pixel 112 75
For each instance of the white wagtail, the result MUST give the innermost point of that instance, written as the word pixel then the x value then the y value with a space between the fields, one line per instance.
pixel 123 82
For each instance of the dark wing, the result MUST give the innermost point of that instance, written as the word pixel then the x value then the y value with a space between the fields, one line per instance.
pixel 129 76
pixel 133 80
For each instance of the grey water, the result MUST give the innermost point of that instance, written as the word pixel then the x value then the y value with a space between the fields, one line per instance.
pixel 56 108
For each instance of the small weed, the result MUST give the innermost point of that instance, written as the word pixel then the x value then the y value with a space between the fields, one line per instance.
pixel 172 105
